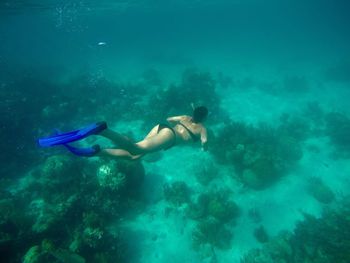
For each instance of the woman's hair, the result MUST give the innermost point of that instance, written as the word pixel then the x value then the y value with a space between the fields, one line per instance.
pixel 199 114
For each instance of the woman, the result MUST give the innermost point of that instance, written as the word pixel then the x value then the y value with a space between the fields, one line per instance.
pixel 180 130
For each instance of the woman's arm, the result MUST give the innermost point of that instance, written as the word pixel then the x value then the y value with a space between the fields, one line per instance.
pixel 204 139
pixel 175 119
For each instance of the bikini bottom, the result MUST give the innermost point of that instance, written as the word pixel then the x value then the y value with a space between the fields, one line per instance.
pixel 162 126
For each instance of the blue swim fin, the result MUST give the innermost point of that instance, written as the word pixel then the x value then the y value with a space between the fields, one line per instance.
pixel 73 136
pixel 85 152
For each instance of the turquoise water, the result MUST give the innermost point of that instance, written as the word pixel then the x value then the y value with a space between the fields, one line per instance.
pixel 274 183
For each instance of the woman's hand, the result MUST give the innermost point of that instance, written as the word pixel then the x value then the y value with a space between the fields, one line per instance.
pixel 205 147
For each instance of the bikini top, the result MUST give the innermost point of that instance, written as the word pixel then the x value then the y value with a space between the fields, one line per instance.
pixel 194 137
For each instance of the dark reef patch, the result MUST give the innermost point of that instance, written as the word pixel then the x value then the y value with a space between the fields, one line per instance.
pixel 338 130
pixel 260 155
pixel 63 209
pixel 314 240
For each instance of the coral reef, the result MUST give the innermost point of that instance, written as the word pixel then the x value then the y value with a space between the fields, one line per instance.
pixel 177 193
pixel 134 175
pixel 261 235
pixel 48 215
pixel 338 130
pixel 215 204
pixel 33 255
pixel 63 209
pixel 215 215
pixel 222 209
pixel 71 203
pixel 314 240
pixel 260 155
pixel 297 127
pixel 90 233
pixel 47 253
pixel 277 250
pixel 211 231
pixel 109 177
pixel 321 192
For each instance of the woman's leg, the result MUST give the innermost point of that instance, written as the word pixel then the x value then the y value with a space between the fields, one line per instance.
pixel 119 154
pixel 122 141
pixel 160 141
pixel 126 143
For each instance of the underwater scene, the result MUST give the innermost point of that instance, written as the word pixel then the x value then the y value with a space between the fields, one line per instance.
pixel 197 131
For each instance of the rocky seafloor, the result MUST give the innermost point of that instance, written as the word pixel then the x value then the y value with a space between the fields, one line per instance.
pixel 59 208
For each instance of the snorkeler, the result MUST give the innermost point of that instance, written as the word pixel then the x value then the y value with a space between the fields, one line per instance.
pixel 180 130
